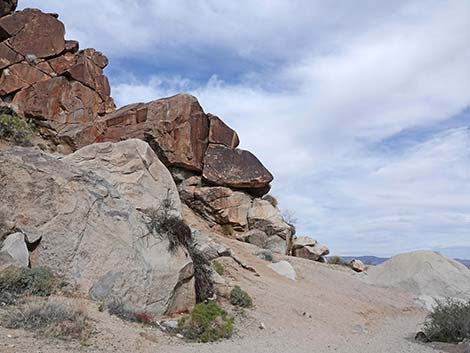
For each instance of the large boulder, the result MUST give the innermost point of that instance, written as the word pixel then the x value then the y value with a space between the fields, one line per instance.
pixel 18 76
pixel 235 168
pixel 134 171
pixel 427 275
pixel 219 205
pixel 65 109
pixel 7 7
pixel 89 231
pixel 221 133
pixel 264 216
pixel 176 127
pixel 14 251
pixel 32 32
pixel 309 248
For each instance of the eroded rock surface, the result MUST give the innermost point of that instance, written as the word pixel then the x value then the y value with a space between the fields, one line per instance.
pixel 89 229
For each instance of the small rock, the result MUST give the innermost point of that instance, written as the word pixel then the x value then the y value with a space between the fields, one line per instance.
pixel 179 335
pixel 261 326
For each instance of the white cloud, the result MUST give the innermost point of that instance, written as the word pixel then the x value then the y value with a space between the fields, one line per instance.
pixel 347 76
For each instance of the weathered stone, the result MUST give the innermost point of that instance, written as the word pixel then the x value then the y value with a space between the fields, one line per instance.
pixel 33 32
pixel 314 253
pixel 63 63
pixel 256 237
pixel 96 57
pixel 357 265
pixel 285 269
pixel 220 133
pixel 264 216
pixel 7 7
pixel 134 170
pixel 91 234
pixel 20 76
pixel 8 56
pixel 217 204
pixel 71 46
pixel 234 168
pixel 91 75
pixel 67 109
pixel 304 241
pixel 15 248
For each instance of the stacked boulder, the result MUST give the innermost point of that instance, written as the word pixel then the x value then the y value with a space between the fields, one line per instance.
pixel 66 94
pixel 310 249
pixel 47 79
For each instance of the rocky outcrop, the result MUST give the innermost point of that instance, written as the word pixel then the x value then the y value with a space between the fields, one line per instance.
pixel 7 7
pixel 310 249
pixel 82 212
pixel 48 80
pixel 14 251
pixel 234 168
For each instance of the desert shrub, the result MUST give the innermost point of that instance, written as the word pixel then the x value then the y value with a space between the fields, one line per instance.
pixel 16 282
pixel 51 318
pixel 227 230
pixel 337 260
pixel 449 321
pixel 13 128
pixel 271 199
pixel 163 223
pixel 118 308
pixel 208 322
pixel 239 297
pixel 219 268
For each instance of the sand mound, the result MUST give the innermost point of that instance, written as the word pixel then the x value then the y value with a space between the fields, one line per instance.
pixel 425 274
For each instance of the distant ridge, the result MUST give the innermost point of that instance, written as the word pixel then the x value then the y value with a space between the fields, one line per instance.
pixel 374 260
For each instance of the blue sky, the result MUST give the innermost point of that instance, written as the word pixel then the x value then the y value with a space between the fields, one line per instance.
pixel 359 108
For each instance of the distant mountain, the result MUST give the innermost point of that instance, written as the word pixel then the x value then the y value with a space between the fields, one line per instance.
pixel 374 260
pixel 368 260
pixel 465 262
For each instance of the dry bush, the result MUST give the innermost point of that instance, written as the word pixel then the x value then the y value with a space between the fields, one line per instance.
pixel 239 297
pixel 13 128
pixel 16 282
pixel 52 318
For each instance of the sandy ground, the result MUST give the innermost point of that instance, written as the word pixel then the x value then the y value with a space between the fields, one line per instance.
pixel 327 309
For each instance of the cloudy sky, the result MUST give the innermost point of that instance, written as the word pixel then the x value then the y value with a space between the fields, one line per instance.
pixel 361 109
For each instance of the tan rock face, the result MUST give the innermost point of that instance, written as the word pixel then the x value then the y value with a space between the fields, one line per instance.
pixel 32 32
pixel 90 230
pixel 234 168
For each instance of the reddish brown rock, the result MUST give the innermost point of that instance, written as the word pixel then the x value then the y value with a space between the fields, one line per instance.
pixel 7 7
pixel 177 129
pixel 64 108
pixel 234 168
pixel 32 32
pixel 8 56
pixel 71 46
pixel 91 75
pixel 96 57
pixel 19 76
pixel 220 133
pixel 63 63
pixel 126 122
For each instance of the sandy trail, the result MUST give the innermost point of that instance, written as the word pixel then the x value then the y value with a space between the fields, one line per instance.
pixel 342 314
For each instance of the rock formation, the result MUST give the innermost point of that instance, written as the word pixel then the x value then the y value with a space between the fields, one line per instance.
pixel 80 217
pixel 48 80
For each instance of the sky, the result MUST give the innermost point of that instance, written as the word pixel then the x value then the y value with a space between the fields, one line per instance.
pixel 360 109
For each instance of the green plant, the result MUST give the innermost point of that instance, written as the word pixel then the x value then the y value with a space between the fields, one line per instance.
pixel 219 268
pixel 208 322
pixel 16 282
pixel 13 128
pixel 337 260
pixel 227 230
pixel 271 199
pixel 51 318
pixel 449 321
pixel 239 297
